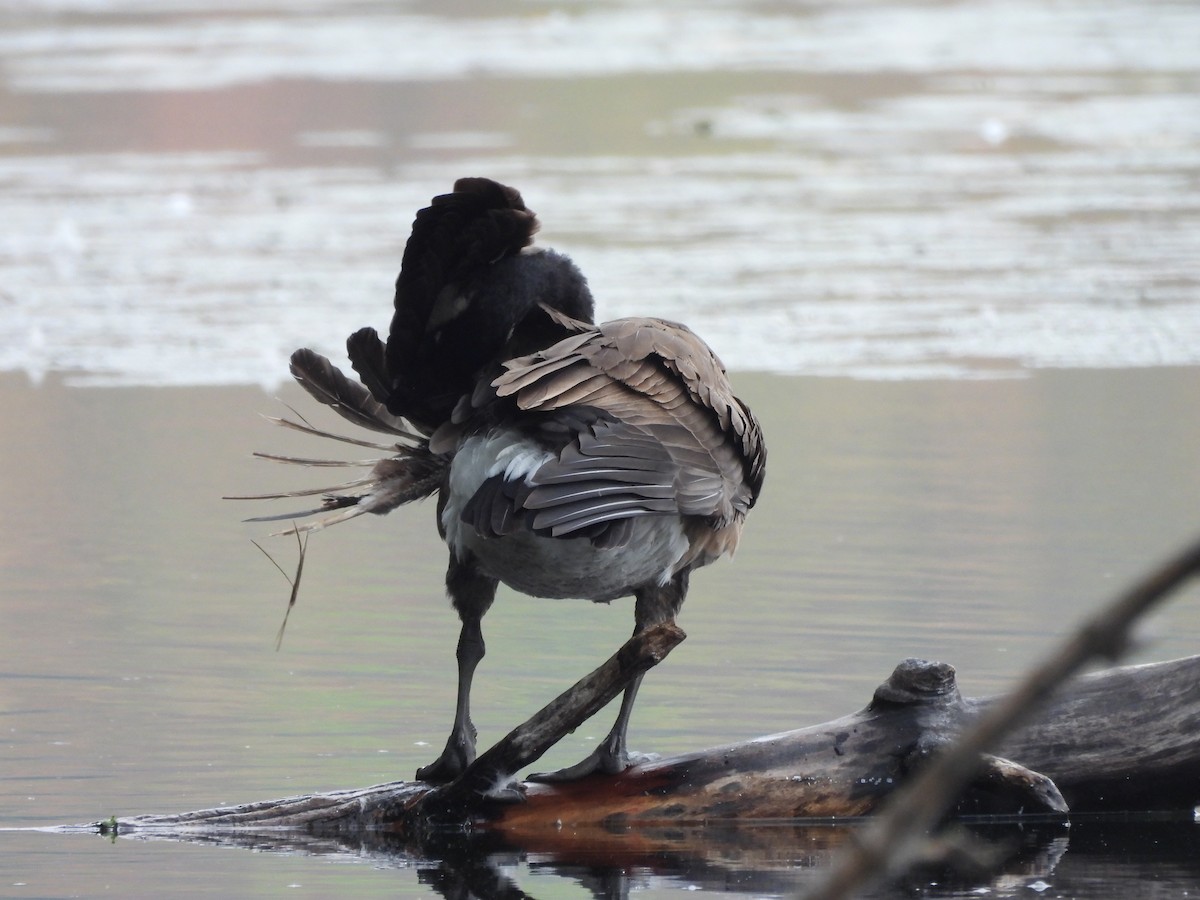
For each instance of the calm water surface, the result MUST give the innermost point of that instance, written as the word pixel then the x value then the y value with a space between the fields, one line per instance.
pixel 969 521
pixel 950 252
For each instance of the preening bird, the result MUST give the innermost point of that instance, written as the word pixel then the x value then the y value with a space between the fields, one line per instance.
pixel 570 459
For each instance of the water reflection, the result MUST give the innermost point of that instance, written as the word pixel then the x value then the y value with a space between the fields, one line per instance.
pixel 1091 858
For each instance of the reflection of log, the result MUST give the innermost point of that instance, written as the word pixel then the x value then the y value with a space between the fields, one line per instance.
pixel 1119 739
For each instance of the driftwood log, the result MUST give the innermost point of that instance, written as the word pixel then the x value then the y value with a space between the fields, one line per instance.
pixel 1124 739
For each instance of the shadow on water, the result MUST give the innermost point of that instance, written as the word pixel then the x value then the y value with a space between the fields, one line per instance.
pixel 1089 856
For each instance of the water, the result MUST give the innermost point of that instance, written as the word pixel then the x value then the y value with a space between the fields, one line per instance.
pixel 949 252
pixel 139 673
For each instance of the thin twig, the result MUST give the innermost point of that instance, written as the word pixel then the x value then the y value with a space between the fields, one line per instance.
pixel 294 581
pixel 286 576
pixel 895 836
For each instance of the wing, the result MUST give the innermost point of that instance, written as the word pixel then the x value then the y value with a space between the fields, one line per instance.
pixel 666 436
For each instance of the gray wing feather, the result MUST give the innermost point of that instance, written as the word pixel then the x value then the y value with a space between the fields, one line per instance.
pixel 673 438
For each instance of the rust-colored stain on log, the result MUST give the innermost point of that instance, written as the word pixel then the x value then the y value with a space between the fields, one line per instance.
pixel 658 796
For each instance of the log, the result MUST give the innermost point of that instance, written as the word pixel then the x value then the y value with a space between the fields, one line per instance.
pixel 1120 740
pixel 1123 739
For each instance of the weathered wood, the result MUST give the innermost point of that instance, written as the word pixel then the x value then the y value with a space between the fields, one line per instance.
pixel 1121 739
pixel 895 838
pixel 838 769
pixel 349 811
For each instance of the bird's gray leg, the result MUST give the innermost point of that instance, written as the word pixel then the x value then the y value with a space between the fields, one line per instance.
pixel 471 592
pixel 652 606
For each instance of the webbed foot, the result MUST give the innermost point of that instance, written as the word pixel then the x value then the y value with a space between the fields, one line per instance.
pixel 459 753
pixel 604 760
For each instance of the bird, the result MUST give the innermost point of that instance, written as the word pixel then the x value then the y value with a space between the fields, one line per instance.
pixel 569 459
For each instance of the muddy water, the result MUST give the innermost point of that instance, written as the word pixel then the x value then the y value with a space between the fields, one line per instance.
pixel 949 251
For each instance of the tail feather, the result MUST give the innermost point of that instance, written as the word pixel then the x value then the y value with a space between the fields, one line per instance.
pixel 411 472
pixel 366 353
pixel 305 428
pixel 325 382
pixel 300 514
pixel 393 483
pixel 330 491
pixel 345 515
pixel 305 461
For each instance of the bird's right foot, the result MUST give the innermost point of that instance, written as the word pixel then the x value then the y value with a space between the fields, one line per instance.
pixel 440 771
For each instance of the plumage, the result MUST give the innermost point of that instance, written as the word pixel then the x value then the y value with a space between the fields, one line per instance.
pixel 570 459
pixel 325 383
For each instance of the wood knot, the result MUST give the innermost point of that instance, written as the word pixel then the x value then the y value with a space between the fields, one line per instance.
pixel 918 681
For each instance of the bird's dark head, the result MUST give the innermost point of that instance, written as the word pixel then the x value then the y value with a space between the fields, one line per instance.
pixel 541 279
pixel 469 295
